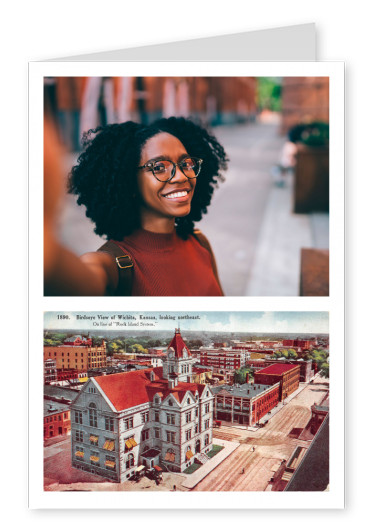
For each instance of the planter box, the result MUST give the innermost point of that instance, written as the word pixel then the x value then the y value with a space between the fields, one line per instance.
pixel 311 189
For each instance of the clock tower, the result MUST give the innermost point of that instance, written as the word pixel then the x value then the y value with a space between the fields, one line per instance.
pixel 178 363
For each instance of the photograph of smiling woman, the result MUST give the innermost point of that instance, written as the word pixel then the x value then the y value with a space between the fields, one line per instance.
pixel 144 187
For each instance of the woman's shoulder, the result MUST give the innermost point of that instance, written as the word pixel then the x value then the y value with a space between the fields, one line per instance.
pixel 202 239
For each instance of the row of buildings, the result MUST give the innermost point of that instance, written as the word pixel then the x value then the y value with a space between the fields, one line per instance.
pixel 156 413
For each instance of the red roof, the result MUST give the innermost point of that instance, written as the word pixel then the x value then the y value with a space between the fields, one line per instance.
pixel 177 343
pixel 277 368
pixel 129 389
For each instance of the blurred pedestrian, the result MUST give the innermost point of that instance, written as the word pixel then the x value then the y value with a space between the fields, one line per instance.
pixel 144 187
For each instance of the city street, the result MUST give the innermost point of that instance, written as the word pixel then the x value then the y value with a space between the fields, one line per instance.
pixel 272 444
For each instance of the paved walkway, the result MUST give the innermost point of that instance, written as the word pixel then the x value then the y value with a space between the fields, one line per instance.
pixel 193 479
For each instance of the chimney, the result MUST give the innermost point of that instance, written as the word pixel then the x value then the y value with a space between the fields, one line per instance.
pixel 247 378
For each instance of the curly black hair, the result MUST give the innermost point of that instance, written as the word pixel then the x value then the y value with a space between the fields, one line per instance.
pixel 105 176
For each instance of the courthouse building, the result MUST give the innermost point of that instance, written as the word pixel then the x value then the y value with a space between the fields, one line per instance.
pixel 155 416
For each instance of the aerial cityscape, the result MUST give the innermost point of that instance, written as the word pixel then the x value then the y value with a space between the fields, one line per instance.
pixel 204 401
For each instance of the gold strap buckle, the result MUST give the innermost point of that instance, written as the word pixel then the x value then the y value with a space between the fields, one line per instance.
pixel 124 266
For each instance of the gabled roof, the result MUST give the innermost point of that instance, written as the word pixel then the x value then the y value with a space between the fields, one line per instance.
pixel 129 389
pixel 177 343
pixel 126 389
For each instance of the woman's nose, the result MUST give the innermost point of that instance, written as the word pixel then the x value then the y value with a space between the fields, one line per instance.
pixel 178 175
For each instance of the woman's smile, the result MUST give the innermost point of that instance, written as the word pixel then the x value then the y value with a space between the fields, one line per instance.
pixel 179 195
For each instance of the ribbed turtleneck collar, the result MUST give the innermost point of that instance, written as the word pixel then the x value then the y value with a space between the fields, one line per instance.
pixel 153 241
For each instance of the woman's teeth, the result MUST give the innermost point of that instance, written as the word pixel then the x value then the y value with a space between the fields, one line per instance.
pixel 176 194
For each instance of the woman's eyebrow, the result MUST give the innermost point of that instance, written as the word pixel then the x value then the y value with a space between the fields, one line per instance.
pixel 167 157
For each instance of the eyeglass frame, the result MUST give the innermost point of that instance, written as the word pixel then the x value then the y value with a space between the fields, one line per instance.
pixel 173 171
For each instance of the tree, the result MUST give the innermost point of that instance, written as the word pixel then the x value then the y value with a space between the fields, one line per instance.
pixel 240 376
pixel 325 370
pixel 139 348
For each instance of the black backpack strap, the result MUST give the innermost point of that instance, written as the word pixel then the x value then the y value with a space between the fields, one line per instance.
pixel 204 242
pixel 124 266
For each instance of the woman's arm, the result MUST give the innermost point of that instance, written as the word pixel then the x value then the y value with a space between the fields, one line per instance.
pixel 64 272
pixel 67 274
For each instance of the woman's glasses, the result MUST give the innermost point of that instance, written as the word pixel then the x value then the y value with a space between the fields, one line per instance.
pixel 165 170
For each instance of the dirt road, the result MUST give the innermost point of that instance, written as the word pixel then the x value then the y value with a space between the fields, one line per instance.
pixel 250 470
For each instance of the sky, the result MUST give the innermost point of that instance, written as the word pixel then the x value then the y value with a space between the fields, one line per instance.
pixel 250 322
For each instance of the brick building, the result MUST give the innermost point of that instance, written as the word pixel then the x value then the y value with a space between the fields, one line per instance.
pixel 77 353
pixel 304 99
pixel 306 366
pixel 286 375
pixel 224 359
pixel 56 411
pixel 298 343
pixel 244 404
pixel 147 417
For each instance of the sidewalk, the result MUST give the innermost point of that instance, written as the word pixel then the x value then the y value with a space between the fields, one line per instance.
pixel 204 470
pixel 276 266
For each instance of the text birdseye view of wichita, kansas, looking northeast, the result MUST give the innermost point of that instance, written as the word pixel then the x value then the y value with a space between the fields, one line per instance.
pixel 179 401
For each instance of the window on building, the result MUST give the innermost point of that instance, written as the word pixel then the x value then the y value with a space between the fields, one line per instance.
pixel 188 453
pixel 157 433
pixel 110 462
pixel 145 417
pixel 77 417
pixel 93 439
pixel 129 462
pixel 129 443
pixel 206 439
pixel 170 455
pixel 128 423
pixel 207 408
pixel 156 416
pixel 145 435
pixel 109 444
pixel 170 419
pixel 78 435
pixel 94 458
pixel 79 452
pixel 188 417
pixel 109 424
pixel 196 411
pixel 93 416
pixel 207 423
pixel 196 428
pixel 170 436
pixel 188 435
